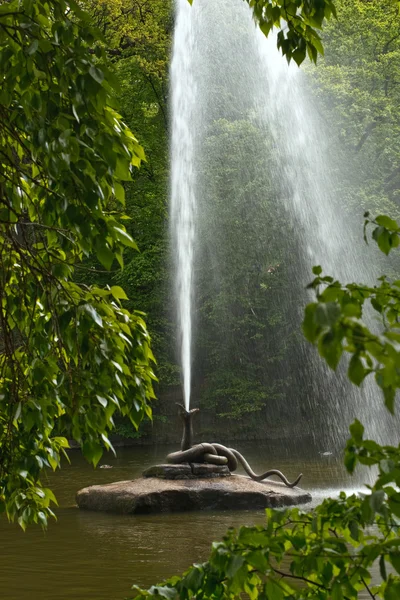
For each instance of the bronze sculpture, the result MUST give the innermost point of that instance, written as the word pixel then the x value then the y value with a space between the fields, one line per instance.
pixel 216 454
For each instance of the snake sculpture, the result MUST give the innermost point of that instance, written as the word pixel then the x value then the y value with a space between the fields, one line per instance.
pixel 216 454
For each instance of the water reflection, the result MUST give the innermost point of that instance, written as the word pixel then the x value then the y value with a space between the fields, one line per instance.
pixel 95 555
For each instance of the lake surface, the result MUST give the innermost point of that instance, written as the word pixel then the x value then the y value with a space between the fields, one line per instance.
pixel 93 555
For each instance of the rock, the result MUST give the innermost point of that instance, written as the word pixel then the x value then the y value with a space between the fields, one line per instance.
pixel 209 470
pixel 153 495
pixel 186 471
pixel 182 471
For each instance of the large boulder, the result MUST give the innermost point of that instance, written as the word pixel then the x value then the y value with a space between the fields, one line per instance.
pixel 187 471
pixel 153 495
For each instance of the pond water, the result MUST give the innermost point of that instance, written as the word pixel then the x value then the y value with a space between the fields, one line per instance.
pixel 93 555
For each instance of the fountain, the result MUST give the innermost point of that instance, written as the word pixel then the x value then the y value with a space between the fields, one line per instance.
pixel 228 83
pixel 234 86
pixel 183 201
pixel 197 477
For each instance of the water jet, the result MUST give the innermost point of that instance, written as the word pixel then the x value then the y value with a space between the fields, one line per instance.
pixel 245 245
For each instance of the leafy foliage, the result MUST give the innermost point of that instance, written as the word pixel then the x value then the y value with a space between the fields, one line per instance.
pixel 298 21
pixel 135 28
pixel 333 322
pixel 70 354
pixel 325 554
pixel 137 37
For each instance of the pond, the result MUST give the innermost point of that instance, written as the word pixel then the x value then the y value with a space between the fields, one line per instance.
pixel 93 555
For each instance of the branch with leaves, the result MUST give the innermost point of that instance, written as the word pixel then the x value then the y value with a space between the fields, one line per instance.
pixel 71 355
pixel 334 323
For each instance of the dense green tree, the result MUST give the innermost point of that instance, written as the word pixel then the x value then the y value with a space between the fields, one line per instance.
pixel 138 30
pixel 70 354
pixel 356 84
pixel 137 40
pixel 243 282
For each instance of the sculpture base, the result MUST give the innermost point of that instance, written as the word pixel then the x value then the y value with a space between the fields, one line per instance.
pixel 187 471
pixel 154 495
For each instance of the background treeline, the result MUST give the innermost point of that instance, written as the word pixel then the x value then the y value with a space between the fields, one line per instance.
pixel 249 337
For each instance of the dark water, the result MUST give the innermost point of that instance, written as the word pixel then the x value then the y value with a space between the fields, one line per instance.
pixel 92 555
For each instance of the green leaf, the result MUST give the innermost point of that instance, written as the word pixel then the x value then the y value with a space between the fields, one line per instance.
pixel 107 443
pixel 357 372
pixel 273 590
pixel 45 45
pixel 257 560
pixel 310 326
pixel 33 47
pixel 382 568
pixel 163 591
pixel 119 192
pixel 383 239
pixel 94 314
pixel 235 564
pixel 193 579
pixel 336 592
pixel 357 431
pixel 93 451
pixel 351 308
pixel 330 348
pixel 118 293
pixel 389 394
pixel 387 222
pixel 125 238
pixel 327 314
pixel 394 504
pixel 299 56
pixel 392 590
pixel 394 558
pixel 103 401
pixel 354 530
pixel 122 170
pixel 376 500
pixel 104 255
pixel 387 465
pixel 350 461
pixel 97 74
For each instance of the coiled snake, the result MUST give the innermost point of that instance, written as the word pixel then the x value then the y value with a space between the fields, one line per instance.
pixel 217 454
